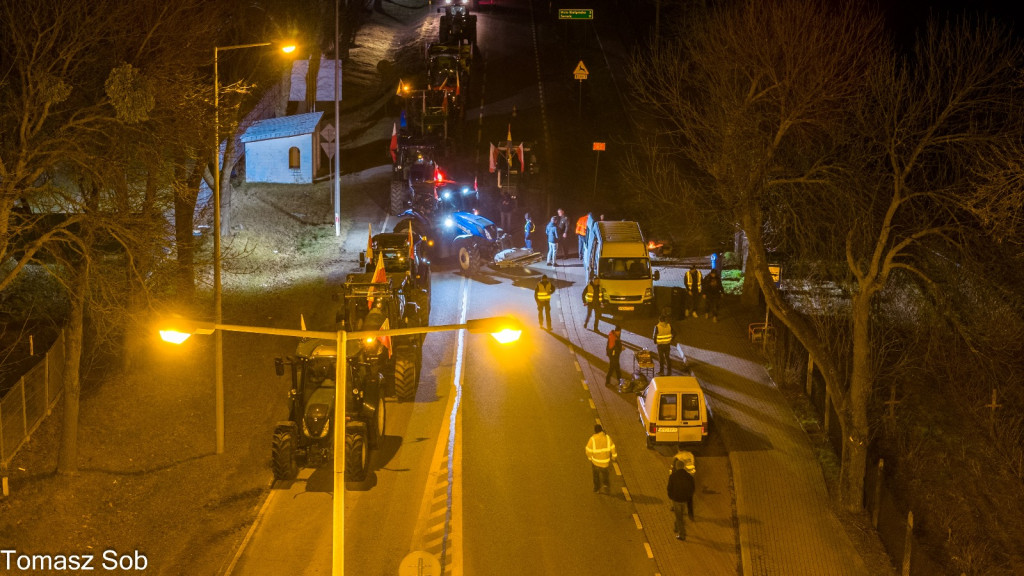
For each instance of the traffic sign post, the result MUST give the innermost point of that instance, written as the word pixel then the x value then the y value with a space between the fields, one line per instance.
pixel 580 74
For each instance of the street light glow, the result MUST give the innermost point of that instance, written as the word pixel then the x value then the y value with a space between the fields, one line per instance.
pixel 288 49
pixel 507 336
pixel 173 336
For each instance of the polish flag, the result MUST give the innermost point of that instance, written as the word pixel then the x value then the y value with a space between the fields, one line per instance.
pixel 394 142
pixel 369 243
pixel 492 159
pixel 522 157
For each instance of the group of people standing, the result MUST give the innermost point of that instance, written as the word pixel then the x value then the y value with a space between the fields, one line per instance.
pixel 556 232
pixel 601 452
pixel 704 292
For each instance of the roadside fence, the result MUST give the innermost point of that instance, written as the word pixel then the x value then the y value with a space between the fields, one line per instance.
pixel 24 407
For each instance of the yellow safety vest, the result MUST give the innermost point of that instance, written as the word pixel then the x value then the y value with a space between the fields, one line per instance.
pixel 544 291
pixel 601 457
pixel 664 335
pixel 590 293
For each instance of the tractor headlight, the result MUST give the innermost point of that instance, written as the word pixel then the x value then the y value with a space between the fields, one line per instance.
pixel 465 190
pixel 446 195
pixel 448 223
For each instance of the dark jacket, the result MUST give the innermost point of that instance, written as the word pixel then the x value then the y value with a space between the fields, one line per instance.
pixel 711 285
pixel 595 291
pixel 680 486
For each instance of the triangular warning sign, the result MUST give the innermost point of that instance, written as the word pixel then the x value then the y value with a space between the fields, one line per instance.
pixel 580 69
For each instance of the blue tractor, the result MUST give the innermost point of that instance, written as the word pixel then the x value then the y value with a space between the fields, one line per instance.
pixel 471 238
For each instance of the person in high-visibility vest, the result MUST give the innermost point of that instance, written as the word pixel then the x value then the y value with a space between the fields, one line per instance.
pixel 528 230
pixel 592 300
pixel 663 340
pixel 692 280
pixel 601 453
pixel 581 234
pixel 542 294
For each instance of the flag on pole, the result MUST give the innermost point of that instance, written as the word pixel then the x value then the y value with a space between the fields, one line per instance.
pixel 369 243
pixel 386 340
pixel 393 148
pixel 302 322
pixel 457 87
pixel 380 276
pixel 492 159
pixel 398 91
pixel 509 133
pixel 522 157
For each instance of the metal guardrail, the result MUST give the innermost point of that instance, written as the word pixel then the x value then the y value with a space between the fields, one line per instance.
pixel 24 407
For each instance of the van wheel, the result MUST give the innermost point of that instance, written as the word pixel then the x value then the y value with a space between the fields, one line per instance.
pixel 650 442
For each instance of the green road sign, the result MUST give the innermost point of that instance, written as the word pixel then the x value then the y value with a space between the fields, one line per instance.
pixel 575 14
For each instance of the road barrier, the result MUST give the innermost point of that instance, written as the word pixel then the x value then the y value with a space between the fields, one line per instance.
pixel 24 407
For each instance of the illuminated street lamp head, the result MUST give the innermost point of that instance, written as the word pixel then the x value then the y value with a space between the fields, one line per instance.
pixel 288 48
pixel 177 329
pixel 504 329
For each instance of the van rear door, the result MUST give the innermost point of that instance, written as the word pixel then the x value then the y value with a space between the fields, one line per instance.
pixel 691 427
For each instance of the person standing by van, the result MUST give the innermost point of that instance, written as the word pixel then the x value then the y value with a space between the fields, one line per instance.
pixel 601 453
pixel 692 281
pixel 663 340
pixel 680 491
pixel 581 234
pixel 562 221
pixel 614 350
pixel 592 300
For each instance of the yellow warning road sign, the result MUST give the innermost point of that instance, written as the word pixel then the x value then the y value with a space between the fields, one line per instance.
pixel 580 73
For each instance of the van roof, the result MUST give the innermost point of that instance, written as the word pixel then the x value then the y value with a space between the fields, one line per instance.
pixel 620 231
pixel 676 383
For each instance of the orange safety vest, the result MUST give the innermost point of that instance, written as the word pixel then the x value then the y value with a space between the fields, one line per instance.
pixel 581 226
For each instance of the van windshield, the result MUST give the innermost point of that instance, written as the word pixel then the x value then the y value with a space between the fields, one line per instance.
pixel 624 268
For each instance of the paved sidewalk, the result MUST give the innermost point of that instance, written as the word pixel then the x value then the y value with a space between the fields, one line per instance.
pixel 782 509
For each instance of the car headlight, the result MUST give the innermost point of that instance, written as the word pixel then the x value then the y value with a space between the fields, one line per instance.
pixel 648 294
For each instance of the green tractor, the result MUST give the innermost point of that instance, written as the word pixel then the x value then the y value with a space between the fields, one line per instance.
pixel 307 437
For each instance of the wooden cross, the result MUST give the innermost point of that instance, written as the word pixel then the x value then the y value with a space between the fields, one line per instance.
pixel 892 402
pixel 992 416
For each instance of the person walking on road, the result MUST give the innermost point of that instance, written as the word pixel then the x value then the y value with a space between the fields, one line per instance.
pixel 563 231
pixel 581 234
pixel 680 491
pixel 601 453
pixel 692 282
pixel 551 231
pixel 542 294
pixel 508 208
pixel 663 340
pixel 614 350
pixel 592 300
pixel 711 291
pixel 528 230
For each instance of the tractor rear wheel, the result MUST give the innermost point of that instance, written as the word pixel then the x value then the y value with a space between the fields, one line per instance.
pixel 283 453
pixel 399 196
pixel 356 455
pixel 376 419
pixel 469 257
pixel 405 379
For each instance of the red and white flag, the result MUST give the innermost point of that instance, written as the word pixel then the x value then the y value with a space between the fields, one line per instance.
pixel 522 157
pixel 492 159
pixel 394 143
pixel 412 251
pixel 386 340
pixel 369 243
pixel 380 276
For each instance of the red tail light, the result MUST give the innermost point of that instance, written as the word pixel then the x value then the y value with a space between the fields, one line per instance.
pixel 653 428
pixel 704 429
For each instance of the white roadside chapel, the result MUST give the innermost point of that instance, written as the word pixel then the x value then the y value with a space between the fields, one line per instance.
pixel 281 149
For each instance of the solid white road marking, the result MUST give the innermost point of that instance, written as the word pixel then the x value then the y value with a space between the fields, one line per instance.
pixel 252 530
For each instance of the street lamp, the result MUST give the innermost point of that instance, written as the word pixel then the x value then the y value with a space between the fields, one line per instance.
pixel 504 329
pixel 218 343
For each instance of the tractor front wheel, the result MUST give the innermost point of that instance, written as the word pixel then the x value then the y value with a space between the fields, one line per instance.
pixel 405 379
pixel 357 456
pixel 469 257
pixel 283 454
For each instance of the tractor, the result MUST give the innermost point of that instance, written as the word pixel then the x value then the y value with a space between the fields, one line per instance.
pixel 407 268
pixel 457 24
pixel 370 305
pixel 307 437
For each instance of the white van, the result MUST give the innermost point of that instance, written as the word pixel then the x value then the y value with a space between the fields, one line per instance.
pixel 621 261
pixel 673 410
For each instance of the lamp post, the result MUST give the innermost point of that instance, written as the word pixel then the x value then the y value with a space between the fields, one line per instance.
pixel 337 125
pixel 218 343
pixel 504 329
